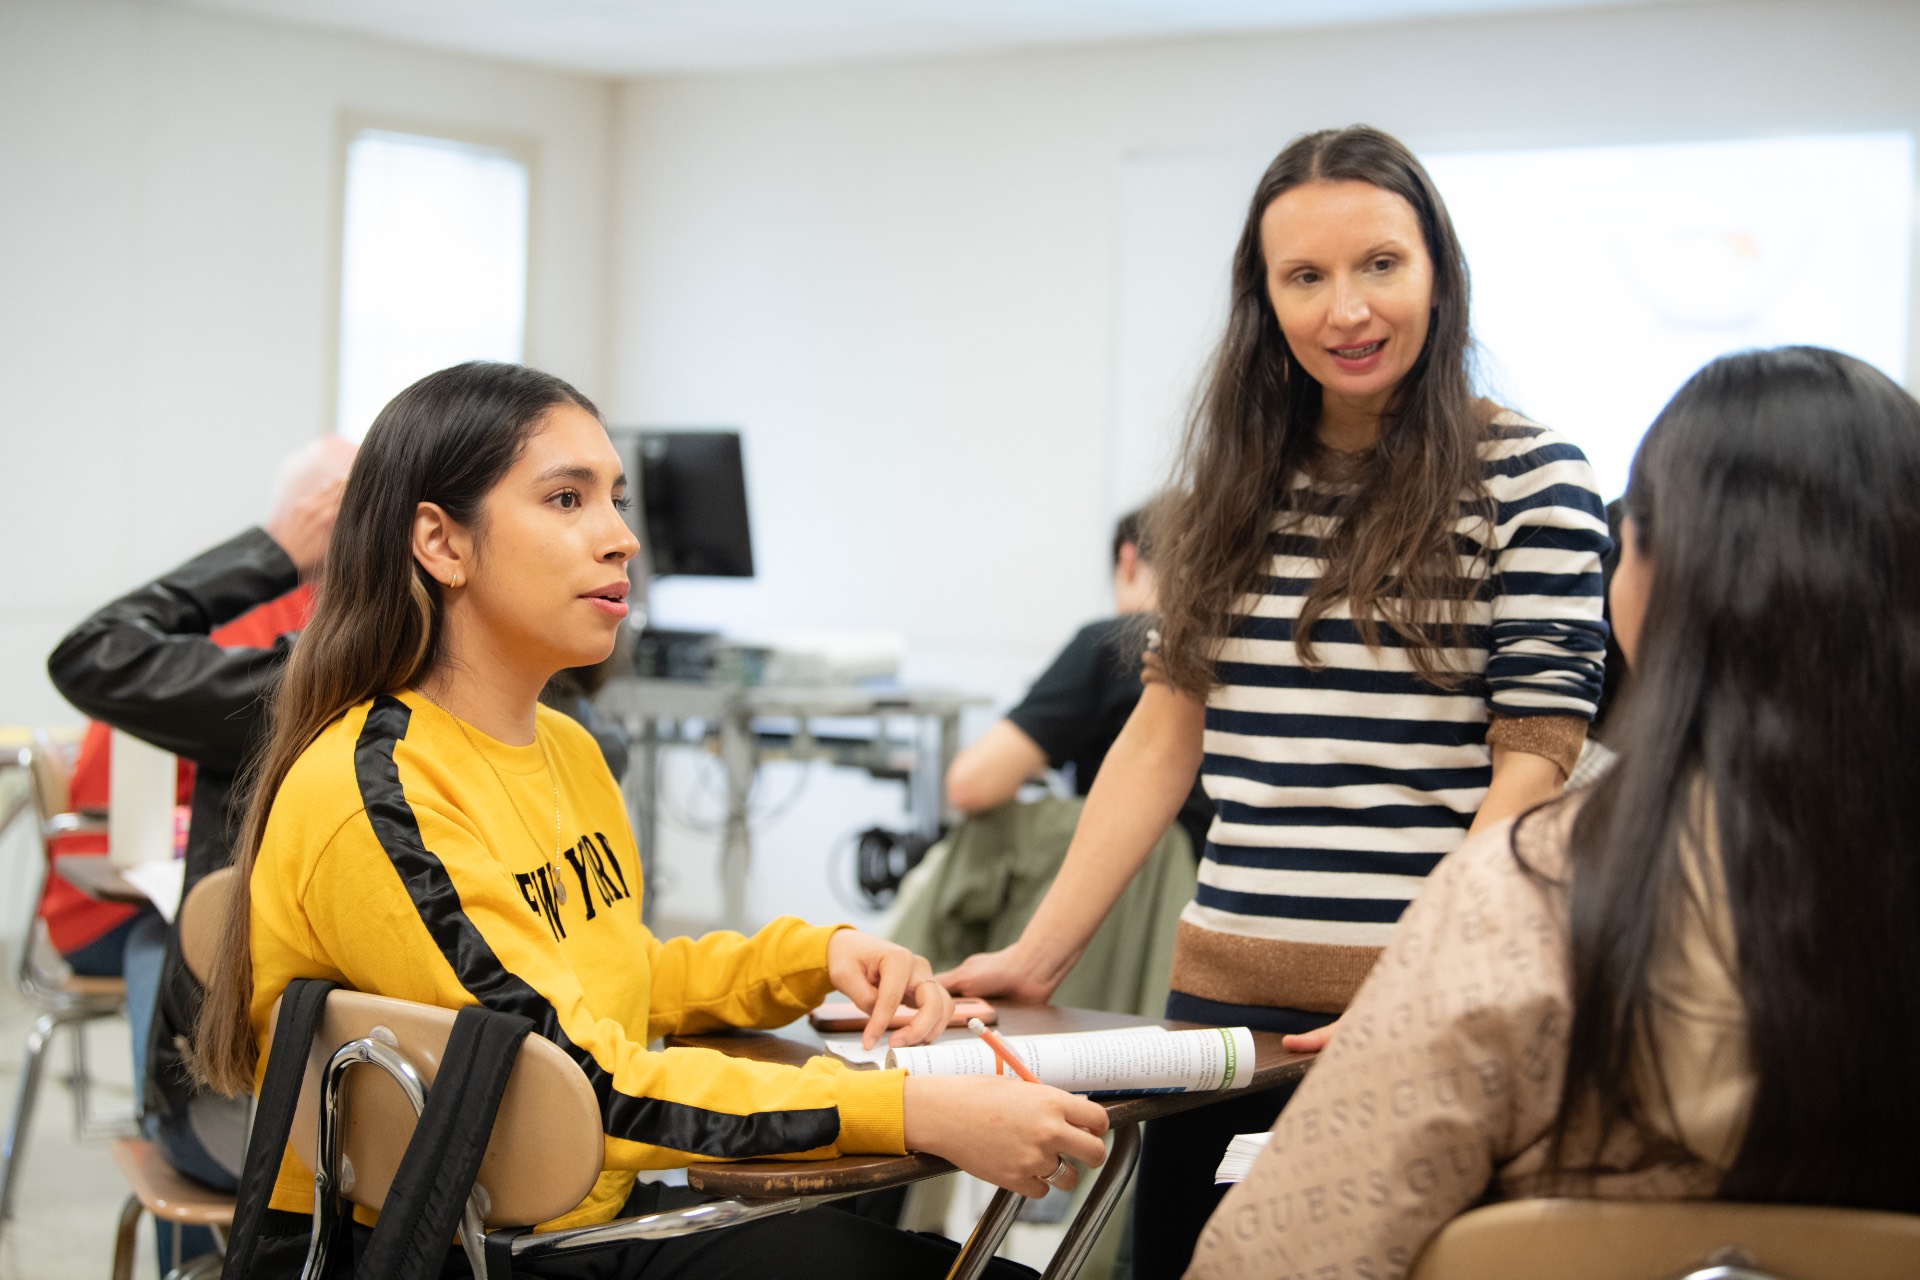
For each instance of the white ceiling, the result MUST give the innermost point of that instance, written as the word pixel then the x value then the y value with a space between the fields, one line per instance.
pixel 641 37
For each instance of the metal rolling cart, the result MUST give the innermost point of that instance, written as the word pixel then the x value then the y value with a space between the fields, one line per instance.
pixel 851 726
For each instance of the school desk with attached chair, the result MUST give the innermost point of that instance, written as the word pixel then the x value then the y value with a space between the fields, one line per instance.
pixel 546 1145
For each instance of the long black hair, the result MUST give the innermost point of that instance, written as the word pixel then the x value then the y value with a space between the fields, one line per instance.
pixel 1777 680
pixel 447 439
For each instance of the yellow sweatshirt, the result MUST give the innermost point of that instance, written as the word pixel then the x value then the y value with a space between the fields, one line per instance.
pixel 410 855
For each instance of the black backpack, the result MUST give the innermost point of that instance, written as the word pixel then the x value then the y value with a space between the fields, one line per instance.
pixel 422 1210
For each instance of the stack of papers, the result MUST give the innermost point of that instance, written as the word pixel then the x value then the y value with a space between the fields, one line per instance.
pixel 1241 1153
pixel 1124 1060
pixel 1140 1059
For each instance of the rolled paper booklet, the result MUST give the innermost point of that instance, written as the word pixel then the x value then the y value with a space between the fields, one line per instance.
pixel 1130 1060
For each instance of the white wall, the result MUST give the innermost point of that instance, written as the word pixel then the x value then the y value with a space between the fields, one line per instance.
pixel 168 225
pixel 899 279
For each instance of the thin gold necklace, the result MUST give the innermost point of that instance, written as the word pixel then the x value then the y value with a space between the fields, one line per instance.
pixel 553 862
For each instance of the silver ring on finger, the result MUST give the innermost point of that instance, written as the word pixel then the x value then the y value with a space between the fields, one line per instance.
pixel 1059 1172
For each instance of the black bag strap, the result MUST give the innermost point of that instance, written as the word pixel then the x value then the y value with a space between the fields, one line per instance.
pixel 301 1007
pixel 500 1252
pixel 423 1205
pixel 430 1188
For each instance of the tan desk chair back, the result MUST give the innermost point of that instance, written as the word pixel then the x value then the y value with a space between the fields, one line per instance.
pixel 547 1146
pixel 47 771
pixel 203 919
pixel 1664 1240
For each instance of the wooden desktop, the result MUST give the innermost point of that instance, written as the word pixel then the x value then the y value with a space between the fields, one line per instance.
pixel 761 1180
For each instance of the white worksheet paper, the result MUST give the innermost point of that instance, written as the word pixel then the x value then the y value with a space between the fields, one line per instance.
pixel 1149 1059
pixel 847 1048
pixel 163 882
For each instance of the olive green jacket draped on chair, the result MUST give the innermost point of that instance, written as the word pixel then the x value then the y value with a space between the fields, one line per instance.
pixel 979 887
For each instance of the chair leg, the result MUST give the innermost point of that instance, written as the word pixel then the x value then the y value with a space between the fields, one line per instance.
pixel 1071 1253
pixel 16 1142
pixel 972 1260
pixel 205 1267
pixel 123 1239
pixel 79 1081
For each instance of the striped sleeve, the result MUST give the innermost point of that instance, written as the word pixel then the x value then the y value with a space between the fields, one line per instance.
pixel 1547 642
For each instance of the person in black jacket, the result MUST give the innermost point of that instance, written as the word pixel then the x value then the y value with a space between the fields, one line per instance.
pixel 146 664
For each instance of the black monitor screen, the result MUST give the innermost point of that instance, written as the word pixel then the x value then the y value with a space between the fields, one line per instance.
pixel 693 502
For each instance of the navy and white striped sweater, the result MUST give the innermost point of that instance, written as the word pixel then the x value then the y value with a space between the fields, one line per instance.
pixel 1337 790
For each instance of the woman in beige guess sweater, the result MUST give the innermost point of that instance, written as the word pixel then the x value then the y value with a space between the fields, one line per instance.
pixel 1700 977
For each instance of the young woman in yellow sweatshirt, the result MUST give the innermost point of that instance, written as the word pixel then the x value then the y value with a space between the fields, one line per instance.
pixel 422 827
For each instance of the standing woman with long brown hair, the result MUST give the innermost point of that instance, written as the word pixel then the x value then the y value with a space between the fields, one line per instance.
pixel 421 827
pixel 1381 628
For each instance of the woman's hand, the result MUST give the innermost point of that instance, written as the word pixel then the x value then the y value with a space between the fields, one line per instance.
pixel 879 976
pixel 1138 794
pixel 1006 974
pixel 1008 1132
pixel 1311 1041
pixel 308 501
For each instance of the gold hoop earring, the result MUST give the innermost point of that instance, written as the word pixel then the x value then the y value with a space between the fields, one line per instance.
pixel 453 583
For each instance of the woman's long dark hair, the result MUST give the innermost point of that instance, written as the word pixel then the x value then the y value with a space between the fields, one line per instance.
pixel 1254 426
pixel 447 439
pixel 1777 679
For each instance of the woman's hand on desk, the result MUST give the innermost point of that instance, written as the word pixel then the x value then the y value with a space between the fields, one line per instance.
pixel 1008 1132
pixel 1310 1041
pixel 1008 974
pixel 880 976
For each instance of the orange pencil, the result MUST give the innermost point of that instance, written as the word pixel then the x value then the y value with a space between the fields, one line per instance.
pixel 1003 1051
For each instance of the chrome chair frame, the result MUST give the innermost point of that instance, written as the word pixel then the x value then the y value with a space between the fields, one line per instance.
pixel 333 1175
pixel 147 1193
pixel 63 1001
pixel 205 1267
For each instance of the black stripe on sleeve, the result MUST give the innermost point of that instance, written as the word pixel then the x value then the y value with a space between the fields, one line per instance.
pixel 654 1121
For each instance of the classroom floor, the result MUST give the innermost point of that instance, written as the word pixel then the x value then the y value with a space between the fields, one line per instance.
pixel 69 1199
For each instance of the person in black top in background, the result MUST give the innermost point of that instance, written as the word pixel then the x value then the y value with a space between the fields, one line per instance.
pixel 1078 706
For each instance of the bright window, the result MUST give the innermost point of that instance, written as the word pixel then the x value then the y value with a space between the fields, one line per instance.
pixel 433 264
pixel 1603 277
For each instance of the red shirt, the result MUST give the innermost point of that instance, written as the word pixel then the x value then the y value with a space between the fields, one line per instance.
pixel 73 919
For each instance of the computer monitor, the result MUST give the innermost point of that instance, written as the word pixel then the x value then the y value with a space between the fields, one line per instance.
pixel 691 508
